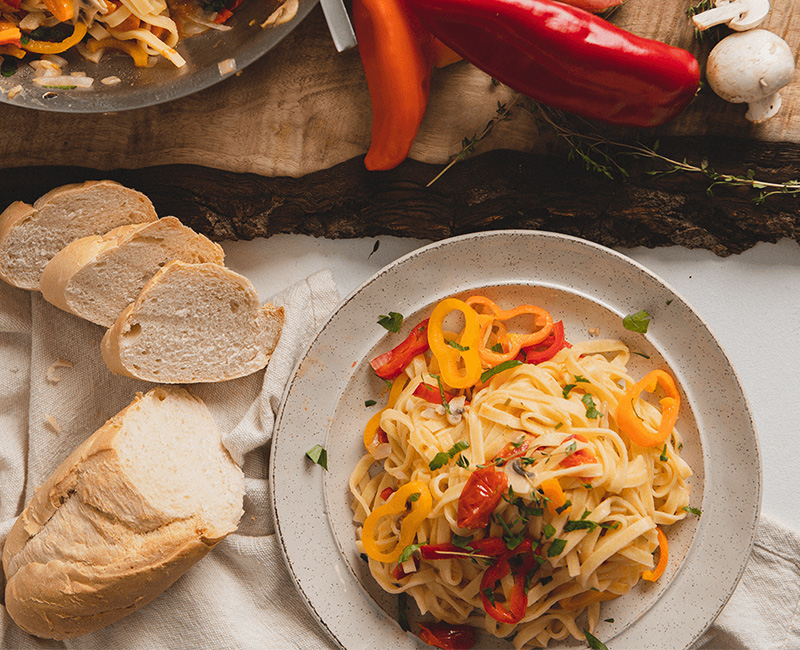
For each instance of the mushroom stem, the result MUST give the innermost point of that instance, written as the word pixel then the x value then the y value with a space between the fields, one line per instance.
pixel 722 13
pixel 764 108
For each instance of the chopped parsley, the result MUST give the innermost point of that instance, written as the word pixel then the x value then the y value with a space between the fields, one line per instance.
pixel 561 509
pixel 497 348
pixel 566 390
pixel 370 402
pixel 559 425
pixel 638 322
pixel 512 540
pixel 570 449
pixel 591 411
pixel 556 547
pixel 511 363
pixel 663 457
pixel 461 461
pixel 583 524
pixel 457 346
pixel 54 34
pixel 594 642
pixel 489 593
pixel 414 497
pixel 408 551
pixel 462 541
pixel 443 457
pixel 608 620
pixel 610 525
pixel 8 67
pixel 549 530
pixel 441 394
pixel 581 378
pixel 393 322
pixel 545 581
pixel 318 455
pixel 694 511
pixel 669 302
pixel 641 354
pixel 214 6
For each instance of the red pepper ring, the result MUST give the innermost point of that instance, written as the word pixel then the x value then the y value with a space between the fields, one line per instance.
pixel 488 546
pixel 432 394
pixel 547 349
pixel 517 601
pixel 391 364
pixel 567 58
pixel 448 637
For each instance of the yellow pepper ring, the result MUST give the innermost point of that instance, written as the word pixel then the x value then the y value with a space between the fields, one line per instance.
pixel 633 426
pixel 45 47
pixel 420 509
pixel 448 356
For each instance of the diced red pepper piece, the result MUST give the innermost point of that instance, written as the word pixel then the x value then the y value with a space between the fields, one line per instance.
pixel 432 393
pixel 511 450
pixel 547 349
pixel 390 364
pixel 579 457
pixel 516 603
pixel 446 636
pixel 480 496
pixel 387 492
pixel 492 546
pixel 399 572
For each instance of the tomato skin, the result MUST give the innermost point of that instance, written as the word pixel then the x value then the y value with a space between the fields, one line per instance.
pixel 480 496
pixel 580 457
pixel 448 637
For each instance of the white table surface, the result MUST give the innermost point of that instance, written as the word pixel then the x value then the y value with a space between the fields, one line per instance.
pixel 751 303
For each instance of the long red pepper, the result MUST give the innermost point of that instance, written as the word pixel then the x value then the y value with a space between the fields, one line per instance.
pixel 567 58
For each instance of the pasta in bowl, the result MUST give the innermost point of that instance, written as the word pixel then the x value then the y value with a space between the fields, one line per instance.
pixel 514 482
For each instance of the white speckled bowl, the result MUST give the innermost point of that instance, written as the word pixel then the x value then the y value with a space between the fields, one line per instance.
pixel 587 286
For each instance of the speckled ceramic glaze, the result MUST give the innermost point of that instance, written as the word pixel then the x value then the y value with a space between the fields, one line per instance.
pixel 587 286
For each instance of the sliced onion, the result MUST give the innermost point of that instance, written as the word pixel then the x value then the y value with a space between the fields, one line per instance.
pixel 56 60
pixel 64 80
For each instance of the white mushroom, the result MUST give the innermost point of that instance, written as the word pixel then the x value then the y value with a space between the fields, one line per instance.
pixel 739 15
pixel 751 67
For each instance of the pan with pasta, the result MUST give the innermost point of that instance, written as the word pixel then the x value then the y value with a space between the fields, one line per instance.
pixel 515 481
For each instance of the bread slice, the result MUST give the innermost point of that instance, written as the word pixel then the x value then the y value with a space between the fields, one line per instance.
pixel 96 277
pixel 30 235
pixel 193 323
pixel 124 516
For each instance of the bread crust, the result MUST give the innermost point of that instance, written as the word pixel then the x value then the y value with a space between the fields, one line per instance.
pixel 18 213
pixel 81 253
pixel 63 589
pixel 269 320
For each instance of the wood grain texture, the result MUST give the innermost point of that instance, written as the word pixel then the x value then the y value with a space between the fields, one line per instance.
pixel 495 190
pixel 303 108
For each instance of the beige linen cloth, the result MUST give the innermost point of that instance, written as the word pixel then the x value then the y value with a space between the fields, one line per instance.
pixel 241 597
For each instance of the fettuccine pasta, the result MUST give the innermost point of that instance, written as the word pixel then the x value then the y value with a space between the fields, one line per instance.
pixel 518 504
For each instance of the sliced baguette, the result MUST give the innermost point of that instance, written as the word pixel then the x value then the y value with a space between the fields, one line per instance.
pixel 193 323
pixel 96 277
pixel 31 235
pixel 124 516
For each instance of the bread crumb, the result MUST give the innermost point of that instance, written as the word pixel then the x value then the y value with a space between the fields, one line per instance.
pixel 252 518
pixel 16 90
pixel 594 331
pixel 52 374
pixel 51 421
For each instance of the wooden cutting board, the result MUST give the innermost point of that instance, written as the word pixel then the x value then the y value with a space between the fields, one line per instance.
pixel 303 111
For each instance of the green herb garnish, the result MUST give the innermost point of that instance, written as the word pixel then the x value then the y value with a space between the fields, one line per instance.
pixel 556 547
pixel 462 541
pixel 489 593
pixel 638 322
pixel 9 67
pixel 545 581
pixel 461 461
pixel 583 524
pixel 561 509
pixel 318 455
pixel 408 551
pixel 549 530
pixel 594 642
pixel 608 620
pixel 497 348
pixel 663 457
pixel 581 378
pixel 567 389
pixel 694 511
pixel 641 354
pixel 511 363
pixel 591 411
pixel 413 497
pixel 370 402
pixel 443 457
pixel 457 346
pixel 393 322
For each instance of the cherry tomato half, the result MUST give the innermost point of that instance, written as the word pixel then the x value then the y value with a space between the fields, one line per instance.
pixel 449 637
pixel 480 496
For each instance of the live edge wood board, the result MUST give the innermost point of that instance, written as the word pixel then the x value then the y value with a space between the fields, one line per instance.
pixel 279 149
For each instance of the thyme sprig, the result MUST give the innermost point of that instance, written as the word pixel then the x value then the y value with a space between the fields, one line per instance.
pixel 714 34
pixel 596 151
pixel 502 114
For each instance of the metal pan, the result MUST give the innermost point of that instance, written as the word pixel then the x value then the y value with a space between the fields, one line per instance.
pixel 163 82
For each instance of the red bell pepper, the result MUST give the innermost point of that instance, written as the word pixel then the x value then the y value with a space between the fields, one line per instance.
pixel 511 450
pixel 387 492
pixel 480 496
pixel 516 603
pixel 491 546
pixel 547 349
pixel 390 364
pixel 432 394
pixel 595 6
pixel 446 636
pixel 567 58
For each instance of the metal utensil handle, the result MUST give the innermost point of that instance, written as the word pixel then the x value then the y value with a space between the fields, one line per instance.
pixel 339 24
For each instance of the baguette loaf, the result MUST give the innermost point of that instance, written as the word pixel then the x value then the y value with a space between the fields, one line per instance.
pixel 124 516
pixel 193 323
pixel 30 235
pixel 96 277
